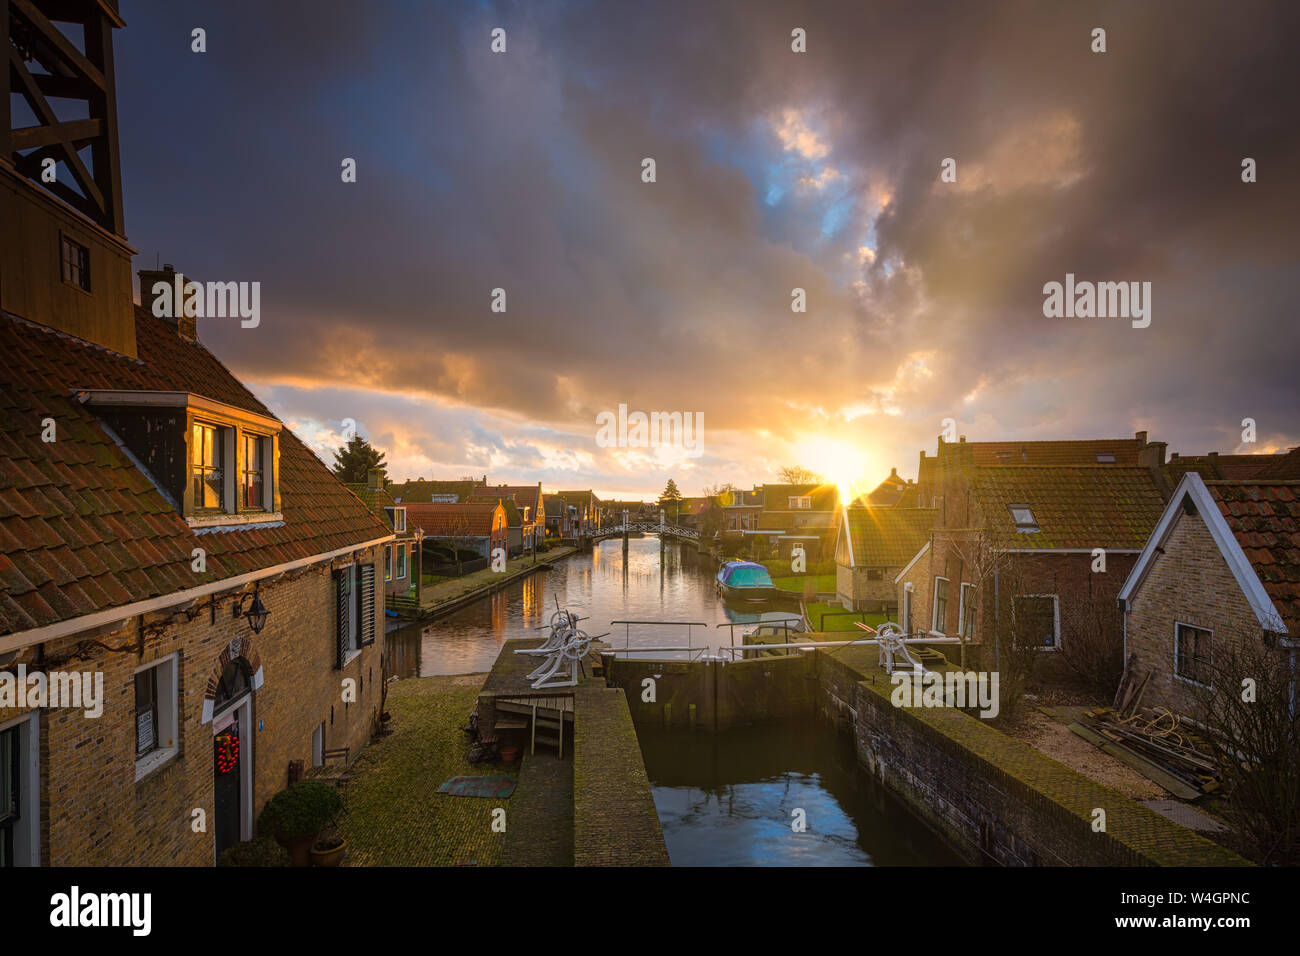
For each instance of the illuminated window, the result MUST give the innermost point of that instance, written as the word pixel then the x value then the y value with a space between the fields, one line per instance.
pixel 254 471
pixel 205 467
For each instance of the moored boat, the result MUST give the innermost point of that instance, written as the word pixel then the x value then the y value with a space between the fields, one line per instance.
pixel 745 579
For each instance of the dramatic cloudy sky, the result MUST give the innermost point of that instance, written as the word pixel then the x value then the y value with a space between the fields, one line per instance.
pixel 775 170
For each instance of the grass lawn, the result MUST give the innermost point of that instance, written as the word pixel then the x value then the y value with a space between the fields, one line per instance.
pixel 823 583
pixel 841 622
pixel 395 816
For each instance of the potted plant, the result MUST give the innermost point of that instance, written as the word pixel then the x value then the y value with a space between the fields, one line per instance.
pixel 259 851
pixel 296 815
pixel 329 847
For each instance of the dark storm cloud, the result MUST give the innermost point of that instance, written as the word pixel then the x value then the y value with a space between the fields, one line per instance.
pixel 521 171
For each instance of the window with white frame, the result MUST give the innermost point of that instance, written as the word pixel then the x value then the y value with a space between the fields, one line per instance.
pixel 1192 654
pixel 966 612
pixel 1037 620
pixel 401 562
pixel 20 792
pixel 799 501
pixel 388 562
pixel 396 518
pixel 940 617
pixel 907 609
pixel 156 715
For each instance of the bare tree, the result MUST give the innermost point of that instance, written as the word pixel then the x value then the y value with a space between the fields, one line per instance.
pixel 1092 642
pixel 1253 728
pixel 798 475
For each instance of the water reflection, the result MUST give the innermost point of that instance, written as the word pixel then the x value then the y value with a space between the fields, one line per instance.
pixel 646 582
pixel 728 799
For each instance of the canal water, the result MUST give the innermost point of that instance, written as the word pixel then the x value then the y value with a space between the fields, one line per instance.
pixel 723 799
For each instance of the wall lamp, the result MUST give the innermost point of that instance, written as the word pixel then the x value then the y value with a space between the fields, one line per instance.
pixel 256 613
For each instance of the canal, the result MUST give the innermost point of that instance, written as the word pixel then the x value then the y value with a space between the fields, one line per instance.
pixel 723 799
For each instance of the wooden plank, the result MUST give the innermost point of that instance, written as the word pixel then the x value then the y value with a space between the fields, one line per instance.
pixel 1135 762
pixel 52 35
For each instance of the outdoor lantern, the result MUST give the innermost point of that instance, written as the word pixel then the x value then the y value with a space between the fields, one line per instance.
pixel 256 612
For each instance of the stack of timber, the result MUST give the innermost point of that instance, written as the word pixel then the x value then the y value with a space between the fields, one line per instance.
pixel 1154 743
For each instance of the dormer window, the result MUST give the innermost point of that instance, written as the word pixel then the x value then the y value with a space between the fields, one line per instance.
pixel 799 501
pixel 1024 518
pixel 396 518
pixel 216 463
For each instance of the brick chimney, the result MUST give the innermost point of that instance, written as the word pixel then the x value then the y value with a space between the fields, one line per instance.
pixel 187 327
pixel 375 479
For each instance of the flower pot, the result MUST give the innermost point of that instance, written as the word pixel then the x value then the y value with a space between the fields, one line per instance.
pixel 509 753
pixel 299 848
pixel 330 857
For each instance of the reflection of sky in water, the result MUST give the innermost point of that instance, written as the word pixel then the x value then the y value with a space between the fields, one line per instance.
pixel 728 799
pixel 598 586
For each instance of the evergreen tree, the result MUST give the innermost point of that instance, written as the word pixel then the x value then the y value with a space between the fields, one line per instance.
pixel 353 461
pixel 670 493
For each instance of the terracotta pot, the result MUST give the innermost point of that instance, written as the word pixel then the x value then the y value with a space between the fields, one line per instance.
pixel 328 857
pixel 299 848
pixel 509 753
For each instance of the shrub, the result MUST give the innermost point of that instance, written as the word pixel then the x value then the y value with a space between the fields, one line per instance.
pixel 259 851
pixel 301 809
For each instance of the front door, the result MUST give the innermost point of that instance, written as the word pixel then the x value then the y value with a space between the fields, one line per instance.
pixel 10 793
pixel 227 770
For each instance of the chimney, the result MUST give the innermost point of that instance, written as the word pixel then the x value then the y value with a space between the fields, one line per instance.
pixel 375 479
pixel 893 473
pixel 187 327
pixel 1141 437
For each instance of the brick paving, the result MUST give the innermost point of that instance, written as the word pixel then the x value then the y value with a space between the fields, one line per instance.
pixel 614 818
pixel 395 816
pixel 541 813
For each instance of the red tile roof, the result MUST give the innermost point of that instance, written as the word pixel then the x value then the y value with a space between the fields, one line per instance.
pixel 465 519
pixel 83 529
pixel 1083 452
pixel 1075 507
pixel 524 496
pixel 1265 519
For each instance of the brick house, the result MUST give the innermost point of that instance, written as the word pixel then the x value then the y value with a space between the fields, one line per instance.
pixel 530 501
pixel 477 526
pixel 160 530
pixel 805 515
pixel 586 511
pixel 1028 534
pixel 1221 568
pixel 871 549
pixel 402 556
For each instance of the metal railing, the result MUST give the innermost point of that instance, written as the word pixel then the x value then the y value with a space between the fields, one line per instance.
pixel 690 648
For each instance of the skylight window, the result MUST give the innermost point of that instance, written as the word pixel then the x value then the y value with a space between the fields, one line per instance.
pixel 1105 458
pixel 1024 518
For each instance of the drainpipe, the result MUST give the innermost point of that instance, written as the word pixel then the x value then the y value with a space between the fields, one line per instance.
pixel 997 622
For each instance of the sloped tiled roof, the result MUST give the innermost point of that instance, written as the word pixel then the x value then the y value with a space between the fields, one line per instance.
pixel 471 519
pixel 524 496
pixel 1081 452
pixel 422 490
pixel 887 536
pixel 83 529
pixel 1084 506
pixel 1282 467
pixel 1264 517
pixel 1220 467
pixel 777 497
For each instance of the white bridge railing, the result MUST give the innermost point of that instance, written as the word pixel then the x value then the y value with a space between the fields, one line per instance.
pixel 648 527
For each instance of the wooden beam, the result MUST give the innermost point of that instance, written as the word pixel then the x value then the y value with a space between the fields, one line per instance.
pixel 73 131
pixel 51 34
pixel 45 114
pixel 103 105
pixel 6 120
pixel 68 87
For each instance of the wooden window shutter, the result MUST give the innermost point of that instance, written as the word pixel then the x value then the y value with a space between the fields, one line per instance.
pixel 366 606
pixel 341 620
